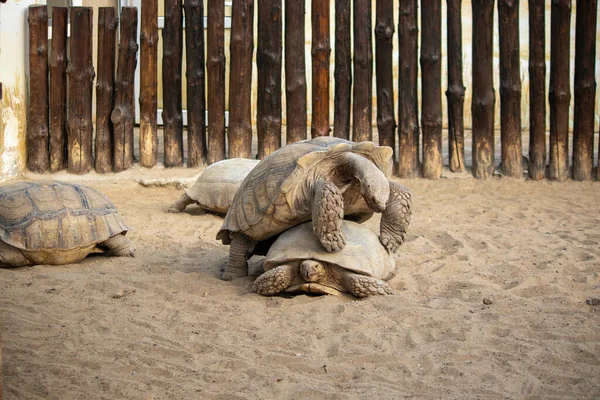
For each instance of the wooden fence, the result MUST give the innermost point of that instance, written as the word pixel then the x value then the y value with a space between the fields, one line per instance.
pixel 60 131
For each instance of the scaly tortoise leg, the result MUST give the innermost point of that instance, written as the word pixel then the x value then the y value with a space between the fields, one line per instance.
pixel 275 280
pixel 11 256
pixel 395 218
pixel 239 252
pixel 119 246
pixel 327 215
pixel 181 204
pixel 363 286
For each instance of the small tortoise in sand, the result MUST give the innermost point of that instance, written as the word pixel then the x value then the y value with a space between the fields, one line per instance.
pixel 57 223
pixel 325 179
pixel 216 186
pixel 297 262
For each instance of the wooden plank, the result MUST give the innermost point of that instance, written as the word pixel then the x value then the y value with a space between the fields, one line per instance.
pixel 384 32
pixel 321 49
pixel 216 80
pixel 58 90
pixel 295 71
pixel 362 94
pixel 537 90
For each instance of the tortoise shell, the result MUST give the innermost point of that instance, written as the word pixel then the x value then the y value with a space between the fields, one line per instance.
pixel 277 182
pixel 363 253
pixel 56 216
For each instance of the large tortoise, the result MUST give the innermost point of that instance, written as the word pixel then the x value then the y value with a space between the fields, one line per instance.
pixel 216 186
pixel 57 223
pixel 297 262
pixel 325 179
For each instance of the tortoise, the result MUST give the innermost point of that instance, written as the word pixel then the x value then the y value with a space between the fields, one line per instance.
pixel 215 187
pixel 57 223
pixel 297 262
pixel 325 179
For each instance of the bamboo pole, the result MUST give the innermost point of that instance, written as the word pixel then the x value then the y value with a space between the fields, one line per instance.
pixel 240 79
pixel 510 88
pixel 196 103
pixel 560 91
pixel 362 93
pixel 408 108
pixel 431 78
pixel 456 89
pixel 321 50
pixel 123 115
pixel 58 90
pixel 537 90
pixel 148 83
pixel 171 78
pixel 38 130
pixel 295 71
pixel 585 90
pixel 105 88
pixel 216 80
pixel 268 62
pixel 384 31
pixel 80 72
pixel 482 107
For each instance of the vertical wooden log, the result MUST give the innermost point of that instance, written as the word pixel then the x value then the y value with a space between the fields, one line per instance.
pixel 196 103
pixel 216 80
pixel 295 71
pixel 456 88
pixel 37 132
pixel 585 90
pixel 431 78
pixel 560 91
pixel 510 88
pixel 171 76
pixel 240 79
pixel 148 83
pixel 384 31
pixel 80 72
pixel 58 90
pixel 408 108
pixel 362 94
pixel 321 49
pixel 482 106
pixel 268 63
pixel 537 90
pixel 342 72
pixel 105 88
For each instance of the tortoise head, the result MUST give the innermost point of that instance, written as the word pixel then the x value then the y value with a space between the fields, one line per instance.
pixel 312 271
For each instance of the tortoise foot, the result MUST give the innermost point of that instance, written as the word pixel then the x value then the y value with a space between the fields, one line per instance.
pixel 395 218
pixel 240 250
pixel 119 246
pixel 275 280
pixel 327 216
pixel 180 204
pixel 364 286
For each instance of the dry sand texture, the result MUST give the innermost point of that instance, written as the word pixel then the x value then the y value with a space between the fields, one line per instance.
pixel 164 326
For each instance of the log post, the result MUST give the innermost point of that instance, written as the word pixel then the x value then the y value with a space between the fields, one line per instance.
pixel 560 91
pixel 384 31
pixel 240 79
pixel 482 107
pixel 537 90
pixel 342 72
pixel 295 71
pixel 80 72
pixel 196 103
pixel 510 88
pixel 123 115
pixel 58 90
pixel 216 80
pixel 148 83
pixel 456 89
pixel 362 94
pixel 268 63
pixel 431 78
pixel 321 49
pixel 585 89
pixel 37 132
pixel 105 88
pixel 408 107
pixel 172 35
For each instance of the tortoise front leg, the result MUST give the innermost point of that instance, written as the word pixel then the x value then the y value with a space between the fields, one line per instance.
pixel 327 215
pixel 240 250
pixel 363 286
pixel 119 246
pixel 181 204
pixel 275 280
pixel 395 218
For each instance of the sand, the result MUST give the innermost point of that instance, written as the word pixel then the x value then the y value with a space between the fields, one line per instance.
pixel 164 326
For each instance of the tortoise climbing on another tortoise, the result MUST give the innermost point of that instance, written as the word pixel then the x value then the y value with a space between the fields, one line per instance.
pixel 216 186
pixel 57 223
pixel 297 262
pixel 325 179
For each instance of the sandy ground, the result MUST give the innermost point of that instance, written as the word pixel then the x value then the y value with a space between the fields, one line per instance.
pixel 164 326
